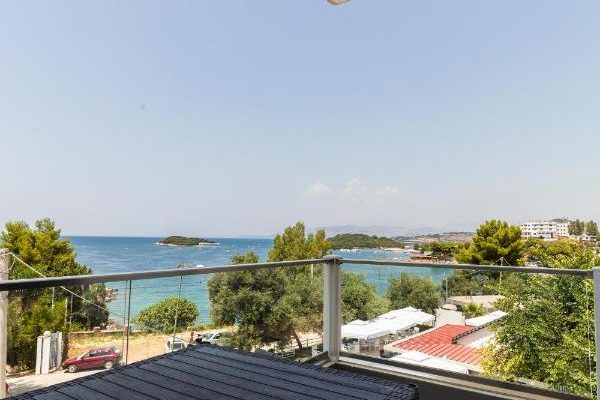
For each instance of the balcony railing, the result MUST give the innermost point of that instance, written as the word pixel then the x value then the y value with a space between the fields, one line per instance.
pixel 333 349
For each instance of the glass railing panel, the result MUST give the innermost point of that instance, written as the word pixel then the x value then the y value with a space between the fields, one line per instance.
pixel 164 315
pixel 536 330
pixel 546 338
pixel 274 310
pixel 382 305
pixel 61 333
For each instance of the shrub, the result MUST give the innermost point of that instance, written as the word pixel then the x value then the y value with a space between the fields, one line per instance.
pixel 161 316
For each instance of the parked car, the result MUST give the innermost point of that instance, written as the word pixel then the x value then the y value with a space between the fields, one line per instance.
pixel 101 357
pixel 211 338
pixel 174 344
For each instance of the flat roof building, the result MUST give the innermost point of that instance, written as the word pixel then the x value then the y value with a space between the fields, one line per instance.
pixel 552 229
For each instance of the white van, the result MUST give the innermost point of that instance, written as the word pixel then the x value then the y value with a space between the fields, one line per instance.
pixel 174 344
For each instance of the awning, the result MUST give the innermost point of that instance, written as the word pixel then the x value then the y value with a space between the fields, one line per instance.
pixel 391 322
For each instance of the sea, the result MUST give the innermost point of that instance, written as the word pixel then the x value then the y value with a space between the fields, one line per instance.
pixel 133 254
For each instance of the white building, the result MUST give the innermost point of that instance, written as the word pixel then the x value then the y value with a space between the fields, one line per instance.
pixel 546 229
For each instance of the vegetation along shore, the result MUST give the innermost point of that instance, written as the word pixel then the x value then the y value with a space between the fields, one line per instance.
pixel 184 241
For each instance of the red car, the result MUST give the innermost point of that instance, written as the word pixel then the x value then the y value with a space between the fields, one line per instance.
pixel 102 357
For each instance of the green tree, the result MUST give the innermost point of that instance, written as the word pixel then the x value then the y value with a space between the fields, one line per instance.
pixel 409 290
pixel 494 241
pixel 358 240
pixel 591 228
pixel 267 305
pixel 472 310
pixel 168 315
pixel 546 335
pixel 295 244
pixel 576 227
pixel 274 305
pixel 471 283
pixel 27 321
pixel 302 303
pixel 441 249
pixel 360 299
pixel 42 248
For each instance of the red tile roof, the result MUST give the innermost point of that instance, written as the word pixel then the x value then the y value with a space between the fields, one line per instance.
pixel 439 342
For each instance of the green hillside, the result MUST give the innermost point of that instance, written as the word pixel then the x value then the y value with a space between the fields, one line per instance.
pixel 357 240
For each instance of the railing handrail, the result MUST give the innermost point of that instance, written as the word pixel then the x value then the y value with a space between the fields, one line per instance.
pixel 36 283
pixel 74 280
pixel 586 273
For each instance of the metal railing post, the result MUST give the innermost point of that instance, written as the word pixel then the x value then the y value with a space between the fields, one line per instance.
pixel 4 269
pixel 332 306
pixel 596 276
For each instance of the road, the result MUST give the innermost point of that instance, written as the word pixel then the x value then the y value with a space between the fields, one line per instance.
pixel 25 383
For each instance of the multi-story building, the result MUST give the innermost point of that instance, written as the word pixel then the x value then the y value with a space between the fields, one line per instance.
pixel 546 229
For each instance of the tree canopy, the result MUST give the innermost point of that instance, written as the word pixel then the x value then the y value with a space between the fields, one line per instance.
pixel 267 305
pixel 42 248
pixel 168 315
pixel 274 305
pixel 441 249
pixel 356 240
pixel 472 310
pixel 360 299
pixel 32 312
pixel 494 242
pixel 295 244
pixel 546 335
pixel 576 227
pixel 410 290
pixel 591 228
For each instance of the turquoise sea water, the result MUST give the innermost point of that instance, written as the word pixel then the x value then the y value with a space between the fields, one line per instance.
pixel 126 254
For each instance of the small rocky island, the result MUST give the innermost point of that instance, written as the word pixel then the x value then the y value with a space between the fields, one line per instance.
pixel 184 241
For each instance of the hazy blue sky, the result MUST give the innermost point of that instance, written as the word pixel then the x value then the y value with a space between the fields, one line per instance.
pixel 240 117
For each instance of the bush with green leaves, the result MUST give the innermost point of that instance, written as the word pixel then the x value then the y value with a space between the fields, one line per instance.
pixel 168 315
pixel 409 290
pixel 473 310
pixel 360 299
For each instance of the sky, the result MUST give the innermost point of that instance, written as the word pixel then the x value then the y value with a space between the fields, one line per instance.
pixel 238 117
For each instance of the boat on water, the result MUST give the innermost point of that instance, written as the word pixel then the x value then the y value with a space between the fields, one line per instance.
pixel 349 250
pixel 183 266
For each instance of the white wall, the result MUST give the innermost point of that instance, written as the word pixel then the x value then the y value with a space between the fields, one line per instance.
pixel 477 339
pixel 444 317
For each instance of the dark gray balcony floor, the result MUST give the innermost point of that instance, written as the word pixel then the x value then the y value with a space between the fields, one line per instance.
pixel 211 372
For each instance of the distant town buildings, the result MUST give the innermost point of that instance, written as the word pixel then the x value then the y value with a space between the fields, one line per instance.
pixel 552 229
